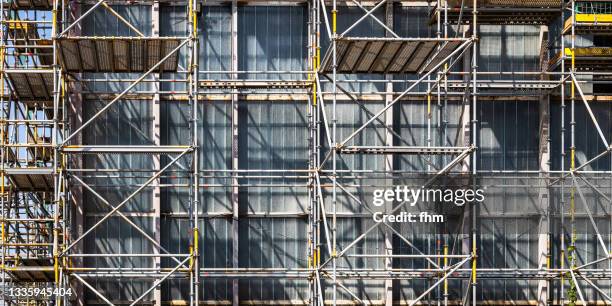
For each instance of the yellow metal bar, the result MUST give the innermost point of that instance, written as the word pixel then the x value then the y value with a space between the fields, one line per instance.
pixel 473 261
pixel 548 265
pixel 190 257
pixel 314 93
pixel 56 268
pixel 195 238
pixel 54 16
pixel 315 65
pixel 562 265
pixel 594 18
pixel 3 232
pixel 445 265
pixel 18 25
pixel 310 257
pixel 573 65
pixel 195 23
pixel 193 17
pixel 334 21
pixel 428 105
pixel 28 244
pixel 195 244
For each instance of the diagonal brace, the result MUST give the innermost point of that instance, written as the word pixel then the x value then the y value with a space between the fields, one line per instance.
pixel 399 206
pixel 363 18
pixel 124 217
pixel 586 105
pixel 133 194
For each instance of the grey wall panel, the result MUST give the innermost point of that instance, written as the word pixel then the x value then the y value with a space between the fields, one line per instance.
pixel 412 21
pixel 115 236
pixel 273 243
pixel 215 153
pixel 125 123
pixel 508 232
pixel 350 117
pixel 348 230
pixel 274 136
pixel 273 38
pixel 412 117
pixel 508 135
pixel 215 41
pixel 508 48
pixel 215 252
pixel 101 22
pixel 588 141
pixel 271 136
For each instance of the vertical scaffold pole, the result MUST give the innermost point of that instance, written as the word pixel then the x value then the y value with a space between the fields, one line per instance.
pixel 312 165
pixel 563 155
pixel 573 141
pixel 3 215
pixel 318 110
pixel 56 152
pixel 235 162
pixel 474 139
pixel 334 153
pixel 193 96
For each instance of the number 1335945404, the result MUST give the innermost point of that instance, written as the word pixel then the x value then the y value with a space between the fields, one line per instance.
pixel 38 292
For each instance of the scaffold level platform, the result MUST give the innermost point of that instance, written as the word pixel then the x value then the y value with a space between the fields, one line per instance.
pixel 586 58
pixel 589 24
pixel 32 84
pixel 117 54
pixel 409 150
pixel 29 4
pixel 507 3
pixel 31 179
pixel 502 11
pixel 255 84
pixel 380 55
pixel 144 149
pixel 33 270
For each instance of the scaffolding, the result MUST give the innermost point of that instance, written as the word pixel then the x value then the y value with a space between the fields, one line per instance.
pixel 59 186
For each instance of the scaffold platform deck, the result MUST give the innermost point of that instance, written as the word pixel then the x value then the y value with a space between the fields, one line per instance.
pixel 33 270
pixel 508 3
pixel 589 24
pixel 31 179
pixel 502 11
pixel 42 5
pixel 117 54
pixel 538 16
pixel 409 150
pixel 32 84
pixel 586 58
pixel 380 55
pixel 255 84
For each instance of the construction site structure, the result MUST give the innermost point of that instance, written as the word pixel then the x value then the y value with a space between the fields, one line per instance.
pixel 230 152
